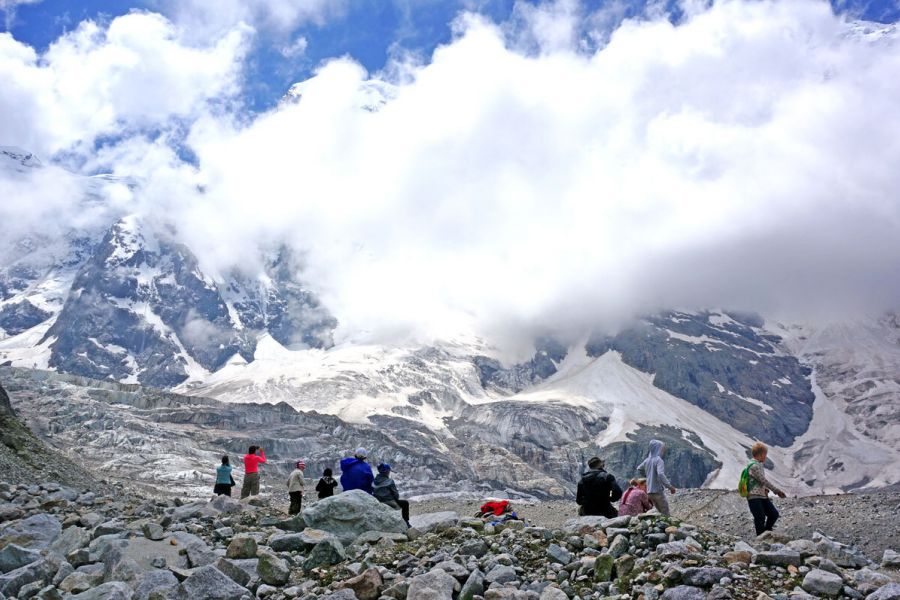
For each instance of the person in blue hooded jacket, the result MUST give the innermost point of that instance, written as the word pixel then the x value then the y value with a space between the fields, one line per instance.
pixel 356 473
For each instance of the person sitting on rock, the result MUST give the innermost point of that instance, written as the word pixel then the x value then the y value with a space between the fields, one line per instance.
pixel 761 507
pixel 295 487
pixel 385 491
pixel 326 485
pixel 252 460
pixel 356 473
pixel 224 480
pixel 654 469
pixel 634 500
pixel 597 490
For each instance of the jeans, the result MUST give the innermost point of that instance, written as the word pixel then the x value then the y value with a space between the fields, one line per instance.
pixel 251 485
pixel 764 514
pixel 296 502
pixel 660 502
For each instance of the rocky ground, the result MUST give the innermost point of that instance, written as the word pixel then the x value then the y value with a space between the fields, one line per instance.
pixel 868 521
pixel 58 543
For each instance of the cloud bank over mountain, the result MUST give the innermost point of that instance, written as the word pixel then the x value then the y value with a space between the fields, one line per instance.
pixel 544 172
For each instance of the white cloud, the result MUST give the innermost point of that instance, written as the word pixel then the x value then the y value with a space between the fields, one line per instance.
pixel 8 8
pixel 97 81
pixel 295 49
pixel 745 157
pixel 204 18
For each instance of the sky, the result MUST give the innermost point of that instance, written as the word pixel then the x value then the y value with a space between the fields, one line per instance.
pixel 482 165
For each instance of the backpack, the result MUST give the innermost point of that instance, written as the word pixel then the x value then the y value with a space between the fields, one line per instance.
pixel 745 482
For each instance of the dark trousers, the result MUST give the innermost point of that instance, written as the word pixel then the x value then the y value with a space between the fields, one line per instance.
pixel 402 506
pixel 251 485
pixel 296 501
pixel 222 489
pixel 764 514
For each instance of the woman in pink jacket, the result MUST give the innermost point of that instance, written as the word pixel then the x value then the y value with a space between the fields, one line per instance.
pixel 635 500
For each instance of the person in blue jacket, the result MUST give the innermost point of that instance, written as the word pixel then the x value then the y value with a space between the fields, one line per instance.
pixel 356 473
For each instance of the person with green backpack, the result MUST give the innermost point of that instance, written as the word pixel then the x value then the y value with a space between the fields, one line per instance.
pixel 754 486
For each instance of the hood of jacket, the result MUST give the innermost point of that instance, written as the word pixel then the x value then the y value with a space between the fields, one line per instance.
pixel 656 447
pixel 347 463
pixel 382 479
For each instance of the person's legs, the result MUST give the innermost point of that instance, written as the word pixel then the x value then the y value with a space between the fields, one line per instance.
pixel 758 511
pixel 250 486
pixel 660 503
pixel 404 510
pixel 771 514
pixel 296 502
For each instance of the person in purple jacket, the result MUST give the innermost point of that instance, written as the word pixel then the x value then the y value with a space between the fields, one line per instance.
pixel 356 473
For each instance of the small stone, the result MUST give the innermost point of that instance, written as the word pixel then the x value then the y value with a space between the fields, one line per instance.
pixel 684 592
pixel 890 559
pixel 434 585
pixel 366 585
pixel 603 568
pixel 559 554
pixel 889 592
pixel 153 531
pixel 273 570
pixel 822 583
pixel 242 546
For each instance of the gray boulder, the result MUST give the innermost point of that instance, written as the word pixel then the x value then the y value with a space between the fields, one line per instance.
pixel 476 548
pixel 841 554
pixel 14 557
pixel 559 554
pixel 273 570
pixel 501 574
pixel 867 581
pixel 783 557
pixel 890 559
pixel 199 554
pixel 35 533
pixel 327 552
pixel 434 585
pixel 72 538
pixel 153 531
pixel 436 521
pixel 241 571
pixel 287 542
pixel 704 576
pixel 349 514
pixel 40 570
pixel 474 586
pixel 242 546
pixel 114 590
pixel 152 581
pixel 822 583
pixel 684 592
pixel 889 592
pixel 212 584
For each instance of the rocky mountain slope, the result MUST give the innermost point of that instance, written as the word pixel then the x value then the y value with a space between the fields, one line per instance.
pixel 119 298
pixel 24 458
pixel 59 542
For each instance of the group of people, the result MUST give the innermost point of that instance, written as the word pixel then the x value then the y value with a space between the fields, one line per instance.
pixel 598 489
pixel 356 474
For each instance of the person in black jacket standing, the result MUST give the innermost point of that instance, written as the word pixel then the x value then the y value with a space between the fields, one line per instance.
pixel 597 490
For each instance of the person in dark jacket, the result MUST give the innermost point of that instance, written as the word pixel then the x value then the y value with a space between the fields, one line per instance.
pixel 597 490
pixel 356 473
pixel 326 485
pixel 385 491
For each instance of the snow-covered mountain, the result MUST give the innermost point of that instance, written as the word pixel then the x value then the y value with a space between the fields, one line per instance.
pixel 126 301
